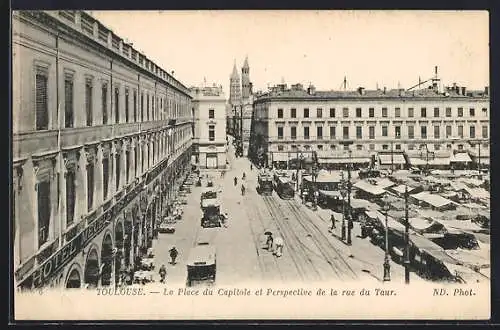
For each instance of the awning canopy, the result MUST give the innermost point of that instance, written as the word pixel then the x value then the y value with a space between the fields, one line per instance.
pixel 417 161
pixel 402 188
pixel 392 159
pixel 279 157
pixel 369 188
pixel 462 157
pixel 357 160
pixel 440 161
pixel 432 199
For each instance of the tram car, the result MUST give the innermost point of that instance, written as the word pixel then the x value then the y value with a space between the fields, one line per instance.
pixel 265 184
pixel 283 185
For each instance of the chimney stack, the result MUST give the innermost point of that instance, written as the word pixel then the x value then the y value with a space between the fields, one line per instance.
pixel 385 89
pixel 311 90
pixel 463 91
pixel 361 90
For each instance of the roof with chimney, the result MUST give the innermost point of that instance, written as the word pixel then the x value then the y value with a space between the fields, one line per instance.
pixel 297 91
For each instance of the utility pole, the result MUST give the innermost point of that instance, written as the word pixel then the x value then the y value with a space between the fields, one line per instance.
pixel 349 215
pixel 407 240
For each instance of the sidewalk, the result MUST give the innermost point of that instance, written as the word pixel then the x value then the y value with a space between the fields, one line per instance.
pixel 183 239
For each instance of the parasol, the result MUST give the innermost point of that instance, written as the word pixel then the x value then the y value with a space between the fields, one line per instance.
pixel 268 232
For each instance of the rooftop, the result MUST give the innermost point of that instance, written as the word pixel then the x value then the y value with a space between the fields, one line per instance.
pixel 297 91
pixel 90 27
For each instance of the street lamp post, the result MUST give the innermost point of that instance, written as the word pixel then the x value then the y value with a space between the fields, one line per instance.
pixel 343 194
pixel 349 215
pixel 387 266
pixel 407 240
pixel 392 157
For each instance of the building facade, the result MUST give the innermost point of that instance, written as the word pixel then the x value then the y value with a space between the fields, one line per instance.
pixel 425 125
pixel 240 102
pixel 209 141
pixel 101 142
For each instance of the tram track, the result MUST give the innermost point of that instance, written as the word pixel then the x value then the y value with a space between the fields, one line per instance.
pixel 305 266
pixel 337 262
pixel 267 263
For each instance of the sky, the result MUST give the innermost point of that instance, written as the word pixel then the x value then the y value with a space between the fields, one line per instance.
pixel 369 48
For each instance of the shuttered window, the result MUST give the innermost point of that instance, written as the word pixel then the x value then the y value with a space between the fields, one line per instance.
pixel 127 166
pixel 88 101
pixel 68 102
pixel 152 108
pixel 104 99
pixel 105 177
pixel 117 166
pixel 90 187
pixel 135 161
pixel 42 112
pixel 70 197
pixel 43 198
pixel 135 106
pixel 117 105
pixel 126 106
pixel 142 107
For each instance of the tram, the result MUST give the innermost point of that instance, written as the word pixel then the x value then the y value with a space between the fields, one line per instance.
pixel 283 185
pixel 265 184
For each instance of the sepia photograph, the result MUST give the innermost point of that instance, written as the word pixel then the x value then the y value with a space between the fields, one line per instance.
pixel 253 164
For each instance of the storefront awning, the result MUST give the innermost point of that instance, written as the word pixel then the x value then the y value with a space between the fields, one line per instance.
pixel 392 159
pixel 417 161
pixel 279 157
pixel 440 161
pixel 358 160
pixel 369 188
pixel 460 158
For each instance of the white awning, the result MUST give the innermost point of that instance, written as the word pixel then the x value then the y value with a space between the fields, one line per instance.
pixel 343 160
pixel 369 188
pixel 417 161
pixel 439 161
pixel 279 157
pixel 461 157
pixel 392 159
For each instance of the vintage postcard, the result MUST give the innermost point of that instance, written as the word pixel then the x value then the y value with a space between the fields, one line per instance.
pixel 201 165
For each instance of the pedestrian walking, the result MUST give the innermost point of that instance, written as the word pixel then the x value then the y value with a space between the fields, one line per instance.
pixel 278 251
pixel 163 273
pixel 269 242
pixel 251 167
pixel 242 189
pixel 173 254
pixel 332 218
pixel 235 181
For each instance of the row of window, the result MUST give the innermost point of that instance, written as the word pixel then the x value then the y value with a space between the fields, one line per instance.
pixel 385 132
pixel 385 112
pixel 135 163
pixel 146 112
pixel 372 147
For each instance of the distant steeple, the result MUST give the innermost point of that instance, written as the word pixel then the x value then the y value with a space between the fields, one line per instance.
pixel 245 80
pixel 235 75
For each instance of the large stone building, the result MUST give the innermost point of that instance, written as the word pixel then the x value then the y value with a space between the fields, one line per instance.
pixel 417 126
pixel 101 142
pixel 240 107
pixel 209 139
